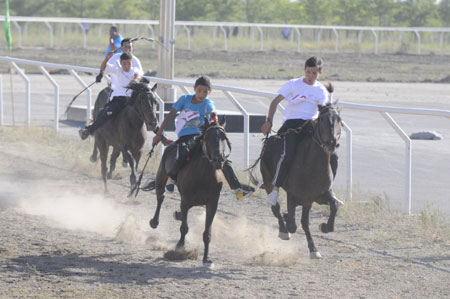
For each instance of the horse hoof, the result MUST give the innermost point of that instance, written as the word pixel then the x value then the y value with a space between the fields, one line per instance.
pixel 93 159
pixel 284 236
pixel 154 223
pixel 315 255
pixel 177 215
pixel 324 228
pixel 208 264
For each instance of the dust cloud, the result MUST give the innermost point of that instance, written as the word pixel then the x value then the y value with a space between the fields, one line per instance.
pixel 255 243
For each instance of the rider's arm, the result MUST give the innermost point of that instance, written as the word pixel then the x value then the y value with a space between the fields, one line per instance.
pixel 273 107
pixel 105 61
pixel 169 117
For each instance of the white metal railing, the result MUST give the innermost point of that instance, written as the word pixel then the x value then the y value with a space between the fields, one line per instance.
pixel 229 94
pixel 222 25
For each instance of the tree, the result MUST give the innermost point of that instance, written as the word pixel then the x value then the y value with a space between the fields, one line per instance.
pixel 444 12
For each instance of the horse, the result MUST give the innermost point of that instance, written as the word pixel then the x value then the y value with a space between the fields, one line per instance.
pixel 310 176
pixel 127 131
pixel 199 181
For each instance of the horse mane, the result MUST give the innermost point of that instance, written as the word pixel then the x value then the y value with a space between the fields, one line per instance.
pixel 137 88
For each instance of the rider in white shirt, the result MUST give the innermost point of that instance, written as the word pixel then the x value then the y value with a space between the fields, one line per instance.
pixel 303 96
pixel 121 77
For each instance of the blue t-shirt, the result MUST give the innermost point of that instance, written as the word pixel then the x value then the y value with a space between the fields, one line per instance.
pixel 203 108
pixel 117 41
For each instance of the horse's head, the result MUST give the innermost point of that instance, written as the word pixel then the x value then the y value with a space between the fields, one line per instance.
pixel 214 141
pixel 327 128
pixel 144 102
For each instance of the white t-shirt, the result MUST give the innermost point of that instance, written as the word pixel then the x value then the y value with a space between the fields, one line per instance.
pixel 115 59
pixel 303 99
pixel 120 79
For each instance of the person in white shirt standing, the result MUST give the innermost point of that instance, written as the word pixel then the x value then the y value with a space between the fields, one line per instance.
pixel 303 96
pixel 121 77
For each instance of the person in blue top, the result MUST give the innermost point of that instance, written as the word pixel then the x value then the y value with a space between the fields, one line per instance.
pixel 115 40
pixel 193 108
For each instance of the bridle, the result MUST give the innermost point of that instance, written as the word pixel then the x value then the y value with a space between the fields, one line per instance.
pixel 317 136
pixel 203 142
pixel 150 98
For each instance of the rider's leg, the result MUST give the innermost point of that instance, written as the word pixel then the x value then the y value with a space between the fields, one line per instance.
pixel 114 107
pixel 240 190
pixel 184 146
pixel 287 156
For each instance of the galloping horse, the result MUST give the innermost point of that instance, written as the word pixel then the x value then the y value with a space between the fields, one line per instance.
pixel 198 181
pixel 310 176
pixel 127 131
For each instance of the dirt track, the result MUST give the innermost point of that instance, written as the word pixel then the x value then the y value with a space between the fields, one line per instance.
pixel 62 238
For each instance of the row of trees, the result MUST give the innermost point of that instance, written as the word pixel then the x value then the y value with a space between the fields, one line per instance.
pixel 398 13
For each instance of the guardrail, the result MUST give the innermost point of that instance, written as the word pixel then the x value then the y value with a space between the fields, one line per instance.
pixel 229 92
pixel 224 26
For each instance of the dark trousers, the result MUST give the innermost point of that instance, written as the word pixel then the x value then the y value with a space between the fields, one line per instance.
pixel 289 147
pixel 110 110
pixel 185 145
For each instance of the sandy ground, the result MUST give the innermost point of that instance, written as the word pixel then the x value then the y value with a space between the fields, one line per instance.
pixel 61 237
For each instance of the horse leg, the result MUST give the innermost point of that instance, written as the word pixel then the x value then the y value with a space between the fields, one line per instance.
pixel 93 157
pixel 132 163
pixel 290 219
pixel 329 226
pixel 211 208
pixel 184 226
pixel 161 179
pixel 103 159
pixel 283 233
pixel 313 253
pixel 124 161
pixel 112 162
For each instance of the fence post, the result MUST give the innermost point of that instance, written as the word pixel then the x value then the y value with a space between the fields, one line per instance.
pixel 28 91
pixel 53 82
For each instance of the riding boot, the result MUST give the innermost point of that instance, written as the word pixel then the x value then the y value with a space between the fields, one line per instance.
pixel 241 190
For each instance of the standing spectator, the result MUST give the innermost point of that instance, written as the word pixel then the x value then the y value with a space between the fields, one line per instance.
pixel 114 40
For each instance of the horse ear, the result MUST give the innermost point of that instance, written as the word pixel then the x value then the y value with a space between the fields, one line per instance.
pixel 223 121
pixel 206 123
pixel 154 87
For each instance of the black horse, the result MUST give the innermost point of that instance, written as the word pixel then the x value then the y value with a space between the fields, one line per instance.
pixel 127 131
pixel 310 176
pixel 199 181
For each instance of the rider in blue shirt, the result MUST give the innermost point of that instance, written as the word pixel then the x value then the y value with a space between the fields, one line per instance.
pixel 193 108
pixel 115 40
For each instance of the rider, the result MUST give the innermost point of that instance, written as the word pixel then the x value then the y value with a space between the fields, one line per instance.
pixel 121 77
pixel 193 109
pixel 303 95
pixel 126 46
pixel 114 41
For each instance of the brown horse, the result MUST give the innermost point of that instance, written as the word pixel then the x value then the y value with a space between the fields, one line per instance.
pixel 127 131
pixel 310 176
pixel 198 181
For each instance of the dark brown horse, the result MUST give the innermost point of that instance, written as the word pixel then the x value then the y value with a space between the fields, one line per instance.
pixel 310 176
pixel 199 181
pixel 127 131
